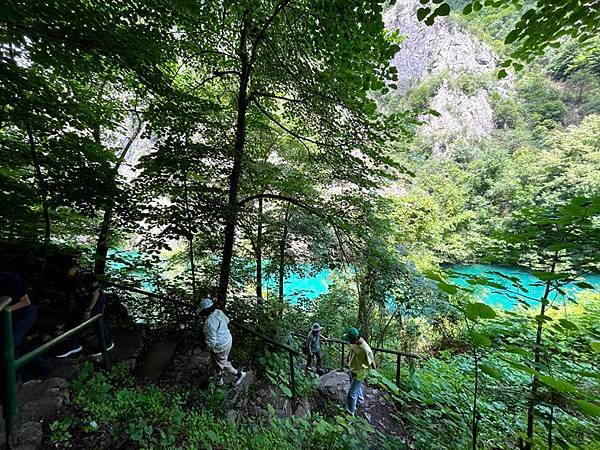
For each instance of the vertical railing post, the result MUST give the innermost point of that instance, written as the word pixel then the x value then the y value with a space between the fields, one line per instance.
pixel 102 339
pixel 293 382
pixel 9 382
pixel 342 361
pixel 398 370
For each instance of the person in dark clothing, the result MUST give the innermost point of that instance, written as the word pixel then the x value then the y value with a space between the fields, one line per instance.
pixel 23 314
pixel 313 348
pixel 88 300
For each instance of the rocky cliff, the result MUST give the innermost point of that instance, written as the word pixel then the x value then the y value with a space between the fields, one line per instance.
pixel 458 72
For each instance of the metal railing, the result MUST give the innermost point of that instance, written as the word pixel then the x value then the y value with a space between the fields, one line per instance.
pixel 10 365
pixel 291 352
pixel 397 353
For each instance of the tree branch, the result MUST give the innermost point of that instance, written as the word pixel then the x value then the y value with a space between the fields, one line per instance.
pixel 263 30
pixel 302 139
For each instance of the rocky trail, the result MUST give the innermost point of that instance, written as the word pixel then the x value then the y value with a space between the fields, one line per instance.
pixel 165 361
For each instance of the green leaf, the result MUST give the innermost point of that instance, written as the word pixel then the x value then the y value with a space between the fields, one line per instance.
pixel 442 10
pixel 516 349
pixel 286 390
pixel 584 285
pixel 511 37
pixel 422 13
pixel 595 346
pixel 549 276
pixel 557 384
pixel 480 339
pixel 490 371
pixel 502 74
pixel 448 288
pixel 521 367
pixel 587 407
pixel 468 9
pixel 479 310
pixel 567 324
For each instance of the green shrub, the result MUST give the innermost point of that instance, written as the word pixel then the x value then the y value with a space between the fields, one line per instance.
pixel 149 418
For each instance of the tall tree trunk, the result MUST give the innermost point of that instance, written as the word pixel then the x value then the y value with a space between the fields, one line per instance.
pixel 282 246
pixel 475 415
pixel 190 235
pixel 537 351
pixel 236 170
pixel 43 195
pixel 102 243
pixel 259 231
pixel 364 293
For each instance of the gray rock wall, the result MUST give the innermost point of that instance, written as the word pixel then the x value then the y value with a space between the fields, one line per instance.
pixel 446 50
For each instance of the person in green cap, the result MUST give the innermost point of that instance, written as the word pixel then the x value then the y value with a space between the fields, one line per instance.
pixel 360 360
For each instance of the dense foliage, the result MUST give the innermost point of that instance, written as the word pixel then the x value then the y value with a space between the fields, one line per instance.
pixel 209 148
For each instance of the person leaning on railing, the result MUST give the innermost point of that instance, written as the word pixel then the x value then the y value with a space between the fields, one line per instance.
pixel 88 300
pixel 23 314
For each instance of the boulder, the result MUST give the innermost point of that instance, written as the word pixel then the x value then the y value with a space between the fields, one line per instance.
pixel 335 386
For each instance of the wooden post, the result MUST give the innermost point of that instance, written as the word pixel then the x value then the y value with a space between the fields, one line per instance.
pixel 293 382
pixel 398 370
pixel 8 375
pixel 102 339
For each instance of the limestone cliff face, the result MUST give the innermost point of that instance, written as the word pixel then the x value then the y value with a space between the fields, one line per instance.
pixel 450 55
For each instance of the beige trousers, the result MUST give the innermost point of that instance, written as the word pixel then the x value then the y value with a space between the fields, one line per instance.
pixel 221 361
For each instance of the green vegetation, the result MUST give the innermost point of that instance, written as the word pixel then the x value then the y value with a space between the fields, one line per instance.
pixel 112 408
pixel 203 148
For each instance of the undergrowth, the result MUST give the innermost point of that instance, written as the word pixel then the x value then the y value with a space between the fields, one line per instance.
pixel 112 409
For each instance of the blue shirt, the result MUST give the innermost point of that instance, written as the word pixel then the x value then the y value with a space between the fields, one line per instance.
pixel 12 286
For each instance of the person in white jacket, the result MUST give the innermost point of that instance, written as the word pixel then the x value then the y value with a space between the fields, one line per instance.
pixel 218 340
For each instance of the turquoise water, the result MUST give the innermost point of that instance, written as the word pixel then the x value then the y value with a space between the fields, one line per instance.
pixel 508 301
pixel 296 286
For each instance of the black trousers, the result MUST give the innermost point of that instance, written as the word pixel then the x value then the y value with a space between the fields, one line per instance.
pixel 310 359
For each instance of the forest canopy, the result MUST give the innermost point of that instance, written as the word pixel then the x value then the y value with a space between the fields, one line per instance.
pixel 437 163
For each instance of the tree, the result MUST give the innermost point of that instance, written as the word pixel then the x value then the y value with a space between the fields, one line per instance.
pixel 543 24
pixel 284 60
pixel 559 244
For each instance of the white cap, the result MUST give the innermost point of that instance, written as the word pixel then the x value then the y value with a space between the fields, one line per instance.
pixel 205 304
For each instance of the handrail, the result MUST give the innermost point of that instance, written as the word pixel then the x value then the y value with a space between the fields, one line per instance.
pixel 9 365
pixel 375 349
pixel 266 338
pixel 20 362
pixel 4 302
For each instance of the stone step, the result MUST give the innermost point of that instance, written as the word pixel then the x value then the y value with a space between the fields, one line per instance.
pixel 37 401
pixel 157 358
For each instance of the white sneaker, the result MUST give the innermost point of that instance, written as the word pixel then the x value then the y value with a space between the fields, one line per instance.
pixel 73 351
pixel 109 348
pixel 240 377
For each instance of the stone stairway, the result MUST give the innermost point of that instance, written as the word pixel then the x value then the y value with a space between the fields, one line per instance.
pixel 39 400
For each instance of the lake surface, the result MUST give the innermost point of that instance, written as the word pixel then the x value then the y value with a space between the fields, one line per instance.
pixel 495 297
pixel 296 286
